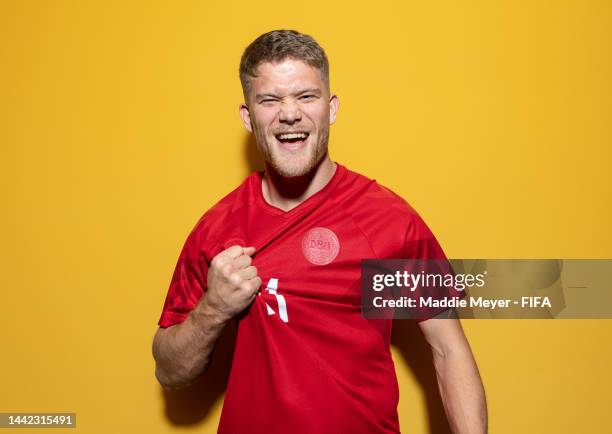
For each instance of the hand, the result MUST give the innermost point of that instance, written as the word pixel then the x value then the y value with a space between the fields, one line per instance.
pixel 232 281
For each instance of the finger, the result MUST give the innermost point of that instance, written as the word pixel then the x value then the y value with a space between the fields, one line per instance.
pixel 233 252
pixel 241 261
pixel 256 282
pixel 249 251
pixel 247 273
pixel 251 286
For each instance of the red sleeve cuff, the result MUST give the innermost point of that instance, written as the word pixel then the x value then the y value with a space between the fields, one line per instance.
pixel 169 318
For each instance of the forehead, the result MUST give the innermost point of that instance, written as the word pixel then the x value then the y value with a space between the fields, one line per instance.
pixel 286 76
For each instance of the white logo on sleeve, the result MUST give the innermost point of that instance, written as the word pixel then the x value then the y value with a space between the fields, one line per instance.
pixel 282 304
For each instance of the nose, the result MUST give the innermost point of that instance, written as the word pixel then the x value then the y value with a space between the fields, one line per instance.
pixel 289 113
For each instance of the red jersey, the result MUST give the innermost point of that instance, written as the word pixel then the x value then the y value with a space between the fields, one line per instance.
pixel 306 361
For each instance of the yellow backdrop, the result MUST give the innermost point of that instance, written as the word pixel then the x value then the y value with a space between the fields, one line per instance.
pixel 120 128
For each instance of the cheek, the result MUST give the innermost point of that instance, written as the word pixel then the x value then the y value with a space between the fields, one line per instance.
pixel 266 118
pixel 319 115
pixel 262 119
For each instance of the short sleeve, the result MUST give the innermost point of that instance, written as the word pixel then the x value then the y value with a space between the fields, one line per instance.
pixel 188 283
pixel 420 243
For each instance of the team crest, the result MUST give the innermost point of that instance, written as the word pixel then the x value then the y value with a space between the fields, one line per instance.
pixel 320 246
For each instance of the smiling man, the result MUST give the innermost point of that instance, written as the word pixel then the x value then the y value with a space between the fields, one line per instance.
pixel 292 111
pixel 279 258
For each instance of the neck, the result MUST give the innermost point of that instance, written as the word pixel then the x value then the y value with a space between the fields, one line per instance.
pixel 287 193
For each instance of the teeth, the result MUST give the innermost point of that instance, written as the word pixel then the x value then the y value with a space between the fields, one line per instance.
pixel 289 136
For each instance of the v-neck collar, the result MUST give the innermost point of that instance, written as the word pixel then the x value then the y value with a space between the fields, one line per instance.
pixel 306 204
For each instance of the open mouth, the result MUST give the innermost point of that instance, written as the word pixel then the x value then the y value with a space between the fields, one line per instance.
pixel 295 138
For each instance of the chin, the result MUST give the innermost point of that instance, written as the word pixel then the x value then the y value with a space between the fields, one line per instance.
pixel 294 164
pixel 293 169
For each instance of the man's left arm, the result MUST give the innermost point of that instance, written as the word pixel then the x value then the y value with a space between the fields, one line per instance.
pixel 459 382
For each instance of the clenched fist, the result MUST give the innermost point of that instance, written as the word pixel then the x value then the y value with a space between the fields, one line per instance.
pixel 232 281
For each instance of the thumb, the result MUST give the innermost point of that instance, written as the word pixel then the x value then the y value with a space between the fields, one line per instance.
pixel 248 251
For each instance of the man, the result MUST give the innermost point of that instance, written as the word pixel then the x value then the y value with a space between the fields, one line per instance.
pixel 279 257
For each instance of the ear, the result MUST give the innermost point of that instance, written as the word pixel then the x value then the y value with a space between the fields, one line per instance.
pixel 246 117
pixel 333 108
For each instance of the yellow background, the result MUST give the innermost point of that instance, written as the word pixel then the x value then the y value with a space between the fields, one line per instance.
pixel 120 128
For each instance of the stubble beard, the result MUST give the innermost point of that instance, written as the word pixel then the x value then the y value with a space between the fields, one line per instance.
pixel 289 166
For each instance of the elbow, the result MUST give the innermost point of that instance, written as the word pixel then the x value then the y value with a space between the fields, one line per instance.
pixel 174 376
pixel 178 379
pixel 173 369
pixel 167 372
pixel 169 383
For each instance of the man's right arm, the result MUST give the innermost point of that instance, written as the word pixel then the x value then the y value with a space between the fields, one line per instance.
pixel 183 351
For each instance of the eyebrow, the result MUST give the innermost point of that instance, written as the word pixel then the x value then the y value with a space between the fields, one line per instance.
pixel 314 90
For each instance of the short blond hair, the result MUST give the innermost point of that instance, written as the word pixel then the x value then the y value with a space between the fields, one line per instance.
pixel 278 45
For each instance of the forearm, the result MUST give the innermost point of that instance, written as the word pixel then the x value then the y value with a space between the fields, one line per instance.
pixel 461 390
pixel 183 352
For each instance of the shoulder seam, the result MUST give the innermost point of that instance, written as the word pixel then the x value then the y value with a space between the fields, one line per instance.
pixel 350 216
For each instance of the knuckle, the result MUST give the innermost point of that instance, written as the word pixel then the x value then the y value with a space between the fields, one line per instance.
pixel 235 278
pixel 227 270
pixel 218 261
pixel 249 287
